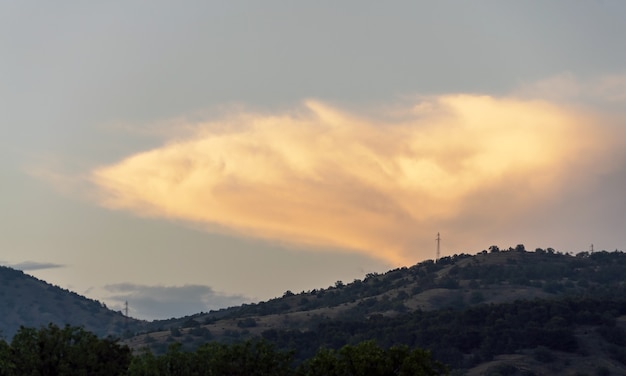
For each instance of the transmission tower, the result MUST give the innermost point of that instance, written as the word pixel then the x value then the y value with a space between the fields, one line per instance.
pixel 126 315
pixel 438 247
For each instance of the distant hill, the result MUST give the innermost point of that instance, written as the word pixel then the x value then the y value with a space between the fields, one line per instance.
pixel 503 312
pixel 30 302
pixel 499 312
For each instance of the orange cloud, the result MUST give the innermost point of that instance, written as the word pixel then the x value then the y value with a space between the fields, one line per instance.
pixel 327 178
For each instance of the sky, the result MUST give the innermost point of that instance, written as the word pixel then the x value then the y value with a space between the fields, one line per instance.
pixel 195 155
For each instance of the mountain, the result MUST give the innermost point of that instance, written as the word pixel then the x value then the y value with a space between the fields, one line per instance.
pixel 499 312
pixel 30 302
pixel 509 312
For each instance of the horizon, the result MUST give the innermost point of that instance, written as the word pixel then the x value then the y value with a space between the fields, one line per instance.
pixel 125 310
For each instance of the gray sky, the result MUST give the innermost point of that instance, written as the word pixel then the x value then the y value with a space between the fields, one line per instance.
pixel 192 155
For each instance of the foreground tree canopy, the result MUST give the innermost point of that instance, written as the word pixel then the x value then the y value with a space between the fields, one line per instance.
pixel 62 351
pixel 260 358
pixel 73 351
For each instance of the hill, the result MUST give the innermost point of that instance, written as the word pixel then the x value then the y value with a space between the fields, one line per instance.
pixel 499 312
pixel 496 312
pixel 30 302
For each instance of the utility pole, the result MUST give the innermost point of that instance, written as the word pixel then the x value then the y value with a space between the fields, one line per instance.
pixel 126 316
pixel 438 247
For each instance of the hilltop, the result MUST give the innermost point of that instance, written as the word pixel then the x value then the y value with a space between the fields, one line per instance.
pixel 30 302
pixel 513 309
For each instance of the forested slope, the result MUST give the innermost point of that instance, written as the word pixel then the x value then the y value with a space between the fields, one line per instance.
pixel 30 302
pixel 548 311
pixel 507 312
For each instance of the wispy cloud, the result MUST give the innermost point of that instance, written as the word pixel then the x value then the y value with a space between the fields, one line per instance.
pixel 381 185
pixel 608 89
pixel 163 302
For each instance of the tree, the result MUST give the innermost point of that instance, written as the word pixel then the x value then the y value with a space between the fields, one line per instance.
pixel 250 358
pixel 365 358
pixel 368 359
pixel 414 362
pixel 143 364
pixel 6 363
pixel 494 249
pixel 71 350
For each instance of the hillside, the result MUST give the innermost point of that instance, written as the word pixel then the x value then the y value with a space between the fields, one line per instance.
pixel 509 312
pixel 28 301
pixel 540 311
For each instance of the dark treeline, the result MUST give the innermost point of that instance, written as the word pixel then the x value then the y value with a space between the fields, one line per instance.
pixel 377 346
pixel 259 357
pixel 592 274
pixel 62 351
pixel 464 338
pixel 73 351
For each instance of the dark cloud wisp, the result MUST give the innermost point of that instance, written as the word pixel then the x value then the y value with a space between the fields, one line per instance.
pixel 163 302
pixel 34 265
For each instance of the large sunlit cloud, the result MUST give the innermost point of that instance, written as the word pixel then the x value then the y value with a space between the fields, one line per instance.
pixel 325 178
